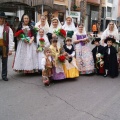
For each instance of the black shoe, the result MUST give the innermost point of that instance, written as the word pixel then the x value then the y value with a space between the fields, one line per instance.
pixel 5 79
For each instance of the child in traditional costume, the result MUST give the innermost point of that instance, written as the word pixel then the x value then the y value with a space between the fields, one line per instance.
pixel 58 72
pixel 110 58
pixel 70 67
pixel 98 56
pixel 42 42
pixel 46 65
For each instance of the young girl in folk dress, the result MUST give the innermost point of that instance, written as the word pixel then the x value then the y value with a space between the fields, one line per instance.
pixel 42 42
pixel 58 72
pixel 70 67
pixel 84 56
pixel 26 55
pixel 46 65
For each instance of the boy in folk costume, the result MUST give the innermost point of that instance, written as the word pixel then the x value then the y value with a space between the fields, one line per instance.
pixel 6 44
pixel 98 56
pixel 110 58
pixel 70 67
pixel 47 66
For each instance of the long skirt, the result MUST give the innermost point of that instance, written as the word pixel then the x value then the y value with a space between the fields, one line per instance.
pixel 84 59
pixel 71 69
pixel 26 58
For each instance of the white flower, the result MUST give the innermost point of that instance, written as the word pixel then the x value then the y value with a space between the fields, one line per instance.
pixel 102 62
pixel 98 55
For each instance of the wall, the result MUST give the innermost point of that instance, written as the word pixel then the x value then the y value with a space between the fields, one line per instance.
pixel 94 1
pixel 118 8
pixel 61 2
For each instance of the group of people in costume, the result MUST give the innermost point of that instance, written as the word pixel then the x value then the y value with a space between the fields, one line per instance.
pixel 61 52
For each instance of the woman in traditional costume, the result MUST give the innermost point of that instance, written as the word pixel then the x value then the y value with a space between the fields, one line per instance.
pixel 84 56
pixel 69 26
pixel 42 42
pixel 26 55
pixel 54 27
pixel 43 23
pixel 111 31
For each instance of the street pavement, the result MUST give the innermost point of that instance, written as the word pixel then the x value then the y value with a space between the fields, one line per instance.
pixel 24 97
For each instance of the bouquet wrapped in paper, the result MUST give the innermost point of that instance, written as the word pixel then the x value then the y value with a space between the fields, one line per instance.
pixel 61 58
pixel 41 44
pixel 60 32
pixel 100 63
pixel 22 35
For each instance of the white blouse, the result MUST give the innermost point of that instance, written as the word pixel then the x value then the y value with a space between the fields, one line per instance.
pixel 43 62
pixel 11 43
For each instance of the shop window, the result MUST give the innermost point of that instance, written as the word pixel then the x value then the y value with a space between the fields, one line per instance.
pixel 61 16
pixel 110 1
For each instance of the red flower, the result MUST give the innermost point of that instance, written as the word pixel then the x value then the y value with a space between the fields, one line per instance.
pixel 41 40
pixel 63 32
pixel 61 58
pixel 18 33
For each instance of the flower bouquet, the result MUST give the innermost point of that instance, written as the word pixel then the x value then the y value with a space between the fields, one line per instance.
pixel 99 57
pixel 100 63
pixel 21 34
pixel 35 30
pixel 61 58
pixel 41 45
pixel 60 32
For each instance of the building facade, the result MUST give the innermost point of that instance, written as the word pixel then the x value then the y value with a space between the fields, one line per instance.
pixel 50 8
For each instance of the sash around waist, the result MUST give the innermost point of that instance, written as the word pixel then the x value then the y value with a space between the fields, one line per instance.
pixel 1 42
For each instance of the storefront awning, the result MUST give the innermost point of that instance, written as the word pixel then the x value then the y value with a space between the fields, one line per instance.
pixel 43 2
pixel 27 2
pixel 59 7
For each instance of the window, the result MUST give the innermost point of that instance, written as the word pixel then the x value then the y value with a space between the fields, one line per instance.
pixel 109 11
pixel 110 1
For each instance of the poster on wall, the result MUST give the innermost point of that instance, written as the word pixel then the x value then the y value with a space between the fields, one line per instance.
pixel 74 15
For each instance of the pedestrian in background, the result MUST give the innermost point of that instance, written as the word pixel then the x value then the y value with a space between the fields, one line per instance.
pixel 95 30
pixel 6 44
pixel 15 26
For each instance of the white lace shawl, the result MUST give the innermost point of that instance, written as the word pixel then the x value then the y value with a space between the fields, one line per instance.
pixel 52 29
pixel 70 27
pixel 45 28
pixel 114 33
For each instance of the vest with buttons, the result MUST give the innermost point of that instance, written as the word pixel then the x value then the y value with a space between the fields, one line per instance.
pixel 6 35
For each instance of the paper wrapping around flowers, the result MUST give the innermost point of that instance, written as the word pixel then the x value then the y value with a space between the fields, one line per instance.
pixel 58 65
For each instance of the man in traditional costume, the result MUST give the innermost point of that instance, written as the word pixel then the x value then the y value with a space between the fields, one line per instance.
pixel 6 44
